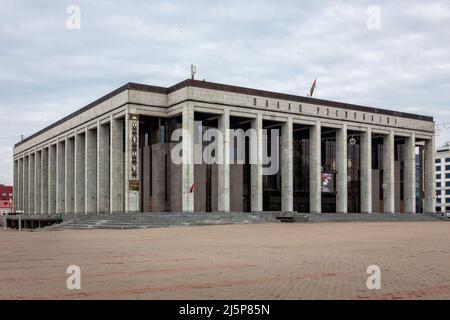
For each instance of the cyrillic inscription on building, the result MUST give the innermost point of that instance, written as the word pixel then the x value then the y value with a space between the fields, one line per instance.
pixel 133 185
pixel 134 147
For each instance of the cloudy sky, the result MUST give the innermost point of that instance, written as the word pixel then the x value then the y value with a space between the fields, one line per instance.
pixel 400 61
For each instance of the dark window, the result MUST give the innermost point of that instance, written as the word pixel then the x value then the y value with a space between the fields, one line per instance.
pixel 278 104
pixel 267 103
pixel 328 112
pixel 447 184
pixel 447 159
pixel 364 116
pixel 301 169
pixel 318 110
pixel 447 200
pixel 438 176
pixel 447 176
pixel 447 192
pixel 438 192
pixel 438 209
pixel 289 106
pixel 346 114
pixel 437 161
pixel 254 101
pixel 299 108
pixel 447 208
pixel 438 184
pixel 438 168
pixel 447 167
pixel 402 180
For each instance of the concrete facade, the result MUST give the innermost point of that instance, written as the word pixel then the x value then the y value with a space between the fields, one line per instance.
pixel 443 178
pixel 315 169
pixel 111 156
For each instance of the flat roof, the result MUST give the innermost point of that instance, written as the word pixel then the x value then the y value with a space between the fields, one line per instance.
pixel 228 88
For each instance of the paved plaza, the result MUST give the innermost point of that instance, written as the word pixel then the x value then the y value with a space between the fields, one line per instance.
pixel 259 261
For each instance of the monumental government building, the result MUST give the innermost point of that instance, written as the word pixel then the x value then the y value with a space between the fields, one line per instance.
pixel 114 155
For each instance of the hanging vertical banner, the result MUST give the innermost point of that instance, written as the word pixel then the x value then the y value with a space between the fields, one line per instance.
pixel 134 169
pixel 134 140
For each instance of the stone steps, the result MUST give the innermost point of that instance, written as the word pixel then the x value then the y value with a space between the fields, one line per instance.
pixel 161 220
pixel 177 219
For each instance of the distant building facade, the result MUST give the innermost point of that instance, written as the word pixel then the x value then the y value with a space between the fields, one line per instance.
pixel 443 178
pixel 114 155
pixel 6 199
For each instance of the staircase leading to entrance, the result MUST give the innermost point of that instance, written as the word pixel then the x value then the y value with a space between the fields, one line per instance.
pixel 178 219
pixel 169 219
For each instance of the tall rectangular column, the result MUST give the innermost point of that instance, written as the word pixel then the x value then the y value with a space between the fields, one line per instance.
pixel 388 173
pixel 132 165
pixel 287 166
pixel 20 184
pixel 187 167
pixel 341 168
pixel 70 176
pixel 429 205
pixel 117 174
pixel 31 180
pixel 60 177
pixel 409 180
pixel 16 184
pixel 26 190
pixel 80 173
pixel 103 165
pixel 44 180
pixel 315 168
pixel 52 180
pixel 223 174
pixel 37 181
pixel 256 179
pixel 91 171
pixel 366 171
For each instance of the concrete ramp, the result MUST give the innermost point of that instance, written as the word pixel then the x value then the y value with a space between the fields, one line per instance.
pixel 365 217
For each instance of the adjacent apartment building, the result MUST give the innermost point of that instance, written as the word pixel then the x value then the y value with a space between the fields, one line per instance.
pixel 443 178
pixel 115 155
pixel 6 199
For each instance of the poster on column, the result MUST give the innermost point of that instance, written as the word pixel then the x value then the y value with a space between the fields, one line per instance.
pixel 327 182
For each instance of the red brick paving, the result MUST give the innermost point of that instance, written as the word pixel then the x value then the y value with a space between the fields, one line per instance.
pixel 263 261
